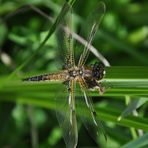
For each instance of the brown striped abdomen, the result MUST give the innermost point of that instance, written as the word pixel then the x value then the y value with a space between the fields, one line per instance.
pixel 44 77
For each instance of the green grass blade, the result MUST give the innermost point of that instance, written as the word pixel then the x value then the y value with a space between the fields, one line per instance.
pixel 59 18
pixel 48 101
pixel 111 114
pixel 124 47
pixel 138 143
pixel 119 80
pixel 127 72
pixel 133 106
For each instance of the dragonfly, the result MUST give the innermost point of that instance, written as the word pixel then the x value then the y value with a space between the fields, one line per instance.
pixel 73 75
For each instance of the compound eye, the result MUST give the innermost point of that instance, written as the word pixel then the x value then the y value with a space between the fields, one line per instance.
pixel 98 71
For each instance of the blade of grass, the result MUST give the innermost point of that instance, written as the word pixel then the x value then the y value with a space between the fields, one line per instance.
pixel 42 94
pixel 133 106
pixel 127 72
pixel 106 114
pixel 123 46
pixel 61 15
pixel 138 143
pixel 115 88
pixel 119 81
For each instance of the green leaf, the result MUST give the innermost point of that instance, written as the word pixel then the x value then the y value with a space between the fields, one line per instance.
pixel 42 94
pixel 133 106
pixel 47 100
pixel 111 114
pixel 63 12
pixel 138 143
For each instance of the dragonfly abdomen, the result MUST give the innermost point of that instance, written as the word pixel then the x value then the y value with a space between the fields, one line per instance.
pixel 37 78
pixel 56 77
pixel 44 77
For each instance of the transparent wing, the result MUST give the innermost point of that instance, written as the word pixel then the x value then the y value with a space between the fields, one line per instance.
pixel 65 41
pixel 69 41
pixel 88 114
pixel 92 24
pixel 66 115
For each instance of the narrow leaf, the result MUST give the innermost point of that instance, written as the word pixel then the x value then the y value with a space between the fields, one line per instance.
pixel 59 18
pixel 132 106
pixel 138 143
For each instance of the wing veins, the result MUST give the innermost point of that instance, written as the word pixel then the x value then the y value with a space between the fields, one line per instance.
pixel 93 30
pixel 98 124
pixel 69 42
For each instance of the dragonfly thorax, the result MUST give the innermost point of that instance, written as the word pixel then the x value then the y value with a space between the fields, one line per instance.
pixel 75 72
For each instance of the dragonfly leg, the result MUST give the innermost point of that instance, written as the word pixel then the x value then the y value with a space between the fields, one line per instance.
pixel 101 88
pixel 65 82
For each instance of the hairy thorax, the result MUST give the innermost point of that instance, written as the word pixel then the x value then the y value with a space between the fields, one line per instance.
pixel 75 73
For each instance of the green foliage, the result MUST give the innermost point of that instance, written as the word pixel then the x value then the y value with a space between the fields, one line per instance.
pixel 29 46
pixel 140 142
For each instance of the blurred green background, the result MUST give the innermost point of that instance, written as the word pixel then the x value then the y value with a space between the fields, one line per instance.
pixel 122 39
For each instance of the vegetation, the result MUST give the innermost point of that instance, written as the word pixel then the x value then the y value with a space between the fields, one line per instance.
pixel 30 44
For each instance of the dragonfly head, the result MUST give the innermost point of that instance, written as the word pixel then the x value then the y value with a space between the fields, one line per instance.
pixel 98 71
